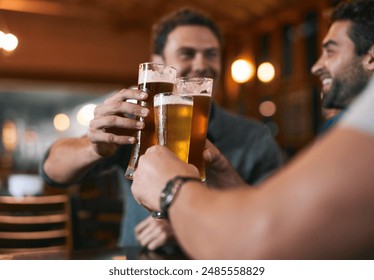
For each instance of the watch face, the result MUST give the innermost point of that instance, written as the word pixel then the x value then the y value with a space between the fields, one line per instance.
pixel 167 196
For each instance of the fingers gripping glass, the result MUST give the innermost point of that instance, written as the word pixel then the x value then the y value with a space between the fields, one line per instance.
pixel 153 78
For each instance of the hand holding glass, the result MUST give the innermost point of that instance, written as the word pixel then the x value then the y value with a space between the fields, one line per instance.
pixel 153 78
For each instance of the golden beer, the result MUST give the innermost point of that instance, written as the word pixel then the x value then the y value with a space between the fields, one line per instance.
pixel 200 117
pixel 201 90
pixel 173 118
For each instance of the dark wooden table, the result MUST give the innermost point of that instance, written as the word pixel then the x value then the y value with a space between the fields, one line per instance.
pixel 129 253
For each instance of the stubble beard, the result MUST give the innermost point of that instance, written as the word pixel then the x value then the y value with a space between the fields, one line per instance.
pixel 344 90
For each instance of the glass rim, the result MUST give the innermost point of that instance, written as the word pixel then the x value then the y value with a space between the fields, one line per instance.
pixel 169 93
pixel 157 63
pixel 164 98
pixel 194 78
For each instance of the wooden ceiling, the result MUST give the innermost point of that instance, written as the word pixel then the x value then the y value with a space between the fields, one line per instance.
pixel 142 13
pixel 103 41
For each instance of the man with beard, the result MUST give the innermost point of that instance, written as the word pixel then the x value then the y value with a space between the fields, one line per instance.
pixel 344 66
pixel 320 206
pixel 317 207
pixel 192 43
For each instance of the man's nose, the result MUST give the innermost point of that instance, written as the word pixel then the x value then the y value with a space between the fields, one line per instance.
pixel 317 66
pixel 199 64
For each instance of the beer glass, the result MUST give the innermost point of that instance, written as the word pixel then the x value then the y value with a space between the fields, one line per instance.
pixel 201 90
pixel 153 78
pixel 173 118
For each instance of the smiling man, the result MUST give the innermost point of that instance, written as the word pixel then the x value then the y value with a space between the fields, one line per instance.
pixel 347 60
pixel 192 43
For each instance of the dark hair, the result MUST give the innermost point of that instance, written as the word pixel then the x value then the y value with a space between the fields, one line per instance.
pixel 183 16
pixel 361 14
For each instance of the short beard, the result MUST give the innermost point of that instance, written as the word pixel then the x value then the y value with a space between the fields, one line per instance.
pixel 343 91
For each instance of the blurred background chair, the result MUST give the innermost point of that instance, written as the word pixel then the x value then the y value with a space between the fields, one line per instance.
pixel 37 227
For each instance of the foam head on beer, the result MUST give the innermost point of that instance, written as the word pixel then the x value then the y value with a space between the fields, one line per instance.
pixel 156 73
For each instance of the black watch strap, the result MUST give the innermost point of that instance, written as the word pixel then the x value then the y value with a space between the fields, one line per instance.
pixel 170 191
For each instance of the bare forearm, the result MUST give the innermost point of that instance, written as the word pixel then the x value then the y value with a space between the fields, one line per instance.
pixel 69 158
pixel 299 214
pixel 211 217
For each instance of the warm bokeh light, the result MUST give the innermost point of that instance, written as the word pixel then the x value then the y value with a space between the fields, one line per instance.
pixel 86 114
pixel 9 136
pixel 61 122
pixel 242 70
pixel 266 72
pixel 8 42
pixel 267 108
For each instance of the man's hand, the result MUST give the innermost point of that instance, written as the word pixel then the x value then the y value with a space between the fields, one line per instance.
pixel 153 233
pixel 156 167
pixel 112 124
pixel 219 172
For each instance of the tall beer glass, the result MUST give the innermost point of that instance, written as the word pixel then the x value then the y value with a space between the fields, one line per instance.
pixel 201 90
pixel 173 118
pixel 153 78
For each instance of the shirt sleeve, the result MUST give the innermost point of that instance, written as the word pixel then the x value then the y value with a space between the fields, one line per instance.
pixel 45 177
pixel 360 114
pixel 94 171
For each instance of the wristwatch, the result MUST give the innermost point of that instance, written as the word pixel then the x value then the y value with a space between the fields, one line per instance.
pixel 170 191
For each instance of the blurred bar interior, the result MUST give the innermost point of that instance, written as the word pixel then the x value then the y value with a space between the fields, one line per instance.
pixel 59 58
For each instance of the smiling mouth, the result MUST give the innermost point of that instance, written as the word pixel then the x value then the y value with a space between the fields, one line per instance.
pixel 326 84
pixel 326 81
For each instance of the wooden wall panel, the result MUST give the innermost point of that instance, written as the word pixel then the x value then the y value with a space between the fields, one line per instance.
pixel 62 48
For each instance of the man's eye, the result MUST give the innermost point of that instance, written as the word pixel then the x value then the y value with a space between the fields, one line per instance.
pixel 329 51
pixel 187 54
pixel 212 54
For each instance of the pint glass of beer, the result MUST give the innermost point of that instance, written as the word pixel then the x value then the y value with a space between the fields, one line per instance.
pixel 153 78
pixel 173 118
pixel 201 90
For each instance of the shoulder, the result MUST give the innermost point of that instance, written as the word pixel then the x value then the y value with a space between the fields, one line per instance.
pixel 243 124
pixel 360 114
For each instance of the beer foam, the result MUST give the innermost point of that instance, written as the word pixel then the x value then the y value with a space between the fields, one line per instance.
pixel 194 86
pixel 165 75
pixel 172 99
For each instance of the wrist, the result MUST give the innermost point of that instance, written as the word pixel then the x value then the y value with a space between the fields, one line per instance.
pixel 170 192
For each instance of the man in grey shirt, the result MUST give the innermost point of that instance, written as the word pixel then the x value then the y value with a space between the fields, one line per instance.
pixel 192 43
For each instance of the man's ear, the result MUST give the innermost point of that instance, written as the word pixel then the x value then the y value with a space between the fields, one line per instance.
pixel 369 60
pixel 157 58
